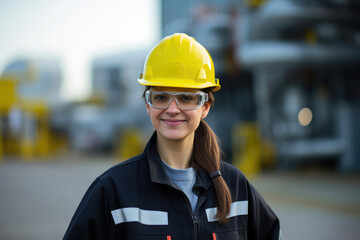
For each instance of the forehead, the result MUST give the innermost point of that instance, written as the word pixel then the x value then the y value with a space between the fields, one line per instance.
pixel 171 89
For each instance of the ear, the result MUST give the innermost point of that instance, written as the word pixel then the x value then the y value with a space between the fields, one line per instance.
pixel 205 109
pixel 148 109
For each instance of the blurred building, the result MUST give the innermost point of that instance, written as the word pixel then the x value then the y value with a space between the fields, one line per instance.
pixel 290 76
pixel 113 119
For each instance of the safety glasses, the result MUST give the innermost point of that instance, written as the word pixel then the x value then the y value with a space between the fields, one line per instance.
pixel 184 100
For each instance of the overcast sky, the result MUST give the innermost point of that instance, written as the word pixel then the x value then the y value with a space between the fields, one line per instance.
pixel 75 31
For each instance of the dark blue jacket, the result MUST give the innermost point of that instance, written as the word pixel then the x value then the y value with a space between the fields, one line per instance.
pixel 136 200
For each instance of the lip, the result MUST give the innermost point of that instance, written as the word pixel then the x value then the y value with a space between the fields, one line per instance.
pixel 172 122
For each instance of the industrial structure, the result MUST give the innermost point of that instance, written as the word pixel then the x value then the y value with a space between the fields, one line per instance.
pixel 113 118
pixel 290 78
pixel 288 70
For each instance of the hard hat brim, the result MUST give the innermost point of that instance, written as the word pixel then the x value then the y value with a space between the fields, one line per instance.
pixel 185 83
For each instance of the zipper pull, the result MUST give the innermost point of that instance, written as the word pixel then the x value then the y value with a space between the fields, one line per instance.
pixel 195 219
pixel 213 236
pixel 195 222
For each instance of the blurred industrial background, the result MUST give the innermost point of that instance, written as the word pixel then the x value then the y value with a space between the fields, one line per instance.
pixel 287 114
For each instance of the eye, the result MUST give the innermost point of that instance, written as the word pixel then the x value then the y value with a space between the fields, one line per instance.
pixel 186 98
pixel 160 97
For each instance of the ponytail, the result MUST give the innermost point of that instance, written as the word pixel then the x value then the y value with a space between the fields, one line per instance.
pixel 206 155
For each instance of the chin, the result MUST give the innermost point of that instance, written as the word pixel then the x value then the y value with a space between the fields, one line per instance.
pixel 173 135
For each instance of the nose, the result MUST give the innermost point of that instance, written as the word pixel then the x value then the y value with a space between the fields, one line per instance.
pixel 173 107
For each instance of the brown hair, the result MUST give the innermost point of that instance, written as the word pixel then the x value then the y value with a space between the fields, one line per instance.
pixel 206 155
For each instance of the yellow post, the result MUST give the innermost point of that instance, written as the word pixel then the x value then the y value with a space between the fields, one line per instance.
pixel 1 141
pixel 8 98
pixel 130 144
pixel 7 93
pixel 246 148
pixel 43 135
pixel 27 141
pixel 36 139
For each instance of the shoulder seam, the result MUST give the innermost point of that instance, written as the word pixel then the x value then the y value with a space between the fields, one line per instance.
pixel 133 160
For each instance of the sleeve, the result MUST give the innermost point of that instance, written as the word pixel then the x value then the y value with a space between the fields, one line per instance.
pixel 92 217
pixel 263 223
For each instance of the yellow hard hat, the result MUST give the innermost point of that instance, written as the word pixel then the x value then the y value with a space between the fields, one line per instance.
pixel 179 61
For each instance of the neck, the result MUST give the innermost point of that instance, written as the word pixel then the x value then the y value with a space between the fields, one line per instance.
pixel 176 153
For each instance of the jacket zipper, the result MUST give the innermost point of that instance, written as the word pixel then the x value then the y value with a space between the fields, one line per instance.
pixel 195 222
pixel 194 218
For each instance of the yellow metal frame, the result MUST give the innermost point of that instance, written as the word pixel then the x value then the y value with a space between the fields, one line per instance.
pixel 44 143
pixel 255 3
pixel 129 143
pixel 250 152
pixel 8 94
pixel 8 98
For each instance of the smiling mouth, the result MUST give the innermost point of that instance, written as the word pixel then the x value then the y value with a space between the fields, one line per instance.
pixel 172 122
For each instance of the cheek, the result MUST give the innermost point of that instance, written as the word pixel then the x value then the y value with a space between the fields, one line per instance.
pixel 196 117
pixel 154 114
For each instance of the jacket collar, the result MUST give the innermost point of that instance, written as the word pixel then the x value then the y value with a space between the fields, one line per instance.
pixel 158 173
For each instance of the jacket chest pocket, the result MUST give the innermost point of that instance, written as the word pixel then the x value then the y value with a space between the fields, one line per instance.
pixel 235 234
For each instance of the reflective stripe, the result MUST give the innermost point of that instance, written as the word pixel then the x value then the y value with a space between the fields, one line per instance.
pixel 237 209
pixel 146 217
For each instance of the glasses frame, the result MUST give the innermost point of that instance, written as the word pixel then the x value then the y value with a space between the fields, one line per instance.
pixel 204 97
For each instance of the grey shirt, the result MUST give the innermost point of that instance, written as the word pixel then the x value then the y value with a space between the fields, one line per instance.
pixel 183 179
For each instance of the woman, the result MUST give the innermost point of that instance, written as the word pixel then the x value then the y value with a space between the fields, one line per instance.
pixel 177 188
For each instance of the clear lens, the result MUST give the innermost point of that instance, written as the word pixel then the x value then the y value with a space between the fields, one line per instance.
pixel 184 100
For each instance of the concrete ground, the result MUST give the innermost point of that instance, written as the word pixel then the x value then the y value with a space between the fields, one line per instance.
pixel 38 199
pixel 313 205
